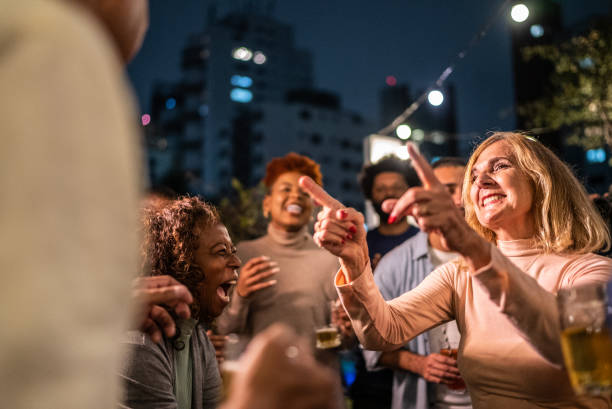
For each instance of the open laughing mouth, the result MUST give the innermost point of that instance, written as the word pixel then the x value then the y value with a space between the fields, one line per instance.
pixel 294 209
pixel 224 290
pixel 491 199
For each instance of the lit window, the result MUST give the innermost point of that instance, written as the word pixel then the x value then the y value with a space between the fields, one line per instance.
pixel 170 103
pixel 259 58
pixel 241 95
pixel 242 54
pixel 241 81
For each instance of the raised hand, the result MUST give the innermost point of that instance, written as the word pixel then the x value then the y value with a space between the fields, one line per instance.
pixel 152 292
pixel 339 230
pixel 434 211
pixel 253 275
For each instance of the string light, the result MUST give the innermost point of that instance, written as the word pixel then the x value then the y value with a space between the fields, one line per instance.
pixel 445 74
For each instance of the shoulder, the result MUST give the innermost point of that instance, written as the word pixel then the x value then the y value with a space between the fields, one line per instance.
pixel 585 268
pixel 143 352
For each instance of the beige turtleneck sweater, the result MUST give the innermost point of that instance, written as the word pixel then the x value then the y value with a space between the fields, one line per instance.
pixel 299 299
pixel 510 354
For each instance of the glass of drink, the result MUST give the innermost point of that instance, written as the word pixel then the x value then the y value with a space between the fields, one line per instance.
pixel 450 350
pixel 234 347
pixel 328 336
pixel 585 338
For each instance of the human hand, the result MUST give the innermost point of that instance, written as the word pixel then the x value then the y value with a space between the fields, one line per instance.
pixel 438 368
pixel 253 273
pixel 433 209
pixel 339 230
pixel 218 342
pixel 278 372
pixel 152 292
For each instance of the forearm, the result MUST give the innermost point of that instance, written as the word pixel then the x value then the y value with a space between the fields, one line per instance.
pixel 402 359
pixel 382 325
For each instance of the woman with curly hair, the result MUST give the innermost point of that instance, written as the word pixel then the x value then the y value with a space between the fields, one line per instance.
pixel 185 239
pixel 286 278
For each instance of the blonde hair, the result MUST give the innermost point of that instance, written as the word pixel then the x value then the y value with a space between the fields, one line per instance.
pixel 566 221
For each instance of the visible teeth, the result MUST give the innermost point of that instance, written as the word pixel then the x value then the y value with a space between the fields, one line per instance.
pixel 490 199
pixel 223 294
pixel 294 209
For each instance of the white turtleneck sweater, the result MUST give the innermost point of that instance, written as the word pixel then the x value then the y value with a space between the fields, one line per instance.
pixel 509 354
pixel 299 299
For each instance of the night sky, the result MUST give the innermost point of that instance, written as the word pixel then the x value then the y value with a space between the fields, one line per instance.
pixel 357 43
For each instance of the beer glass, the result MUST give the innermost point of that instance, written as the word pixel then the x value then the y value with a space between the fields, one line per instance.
pixel 234 347
pixel 328 336
pixel 585 338
pixel 449 348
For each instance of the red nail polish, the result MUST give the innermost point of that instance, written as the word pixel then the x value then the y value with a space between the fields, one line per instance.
pixel 391 219
pixel 342 241
pixel 349 236
pixel 343 213
pixel 353 229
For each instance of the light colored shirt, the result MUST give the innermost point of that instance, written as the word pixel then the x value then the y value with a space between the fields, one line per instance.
pixel 510 354
pixel 401 270
pixel 70 174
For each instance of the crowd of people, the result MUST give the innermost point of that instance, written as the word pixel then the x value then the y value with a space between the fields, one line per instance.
pixel 468 256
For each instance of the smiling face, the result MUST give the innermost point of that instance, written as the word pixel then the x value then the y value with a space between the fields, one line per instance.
pixel 502 195
pixel 388 185
pixel 216 256
pixel 287 204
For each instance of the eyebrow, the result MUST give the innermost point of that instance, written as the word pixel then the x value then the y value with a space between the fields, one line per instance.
pixel 493 159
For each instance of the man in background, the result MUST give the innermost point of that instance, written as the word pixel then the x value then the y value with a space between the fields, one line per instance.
pixel 386 179
pixel 421 374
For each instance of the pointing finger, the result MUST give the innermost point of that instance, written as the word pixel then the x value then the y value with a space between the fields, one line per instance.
pixel 317 193
pixel 425 172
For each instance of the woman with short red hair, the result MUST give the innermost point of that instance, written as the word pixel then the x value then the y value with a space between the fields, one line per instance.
pixel 286 278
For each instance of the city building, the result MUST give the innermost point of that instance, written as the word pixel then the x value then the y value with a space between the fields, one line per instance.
pixel 246 95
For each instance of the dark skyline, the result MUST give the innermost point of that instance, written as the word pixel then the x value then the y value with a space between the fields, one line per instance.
pixel 357 43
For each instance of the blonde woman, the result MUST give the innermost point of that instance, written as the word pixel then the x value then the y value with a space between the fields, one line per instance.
pixel 530 230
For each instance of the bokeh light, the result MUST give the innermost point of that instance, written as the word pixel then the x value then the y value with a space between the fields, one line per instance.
pixel 145 119
pixel 519 13
pixel 403 131
pixel 391 80
pixel 435 98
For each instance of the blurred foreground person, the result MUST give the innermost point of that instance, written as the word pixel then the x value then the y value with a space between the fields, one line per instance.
pixel 279 372
pixel 185 239
pixel 530 230
pixel 70 172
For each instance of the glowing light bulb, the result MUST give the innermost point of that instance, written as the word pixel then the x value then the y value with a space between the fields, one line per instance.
pixel 519 12
pixel 403 131
pixel 435 98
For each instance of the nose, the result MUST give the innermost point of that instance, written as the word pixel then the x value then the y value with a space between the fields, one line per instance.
pixel 457 198
pixel 483 180
pixel 234 262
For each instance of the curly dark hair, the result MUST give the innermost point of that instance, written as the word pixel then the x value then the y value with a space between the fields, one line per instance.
pixel 171 237
pixel 389 163
pixel 292 162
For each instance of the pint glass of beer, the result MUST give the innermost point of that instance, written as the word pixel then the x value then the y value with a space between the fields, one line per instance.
pixel 585 338
pixel 328 336
pixel 234 347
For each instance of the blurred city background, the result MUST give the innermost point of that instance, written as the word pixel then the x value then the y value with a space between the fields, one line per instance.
pixel 224 86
